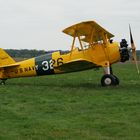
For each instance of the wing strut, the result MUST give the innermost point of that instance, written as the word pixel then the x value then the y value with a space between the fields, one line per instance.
pixel 80 43
pixel 72 45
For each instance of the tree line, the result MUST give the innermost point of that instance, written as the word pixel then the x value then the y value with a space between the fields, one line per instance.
pixel 26 53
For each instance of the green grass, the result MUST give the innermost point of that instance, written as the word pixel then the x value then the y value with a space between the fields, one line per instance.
pixel 71 107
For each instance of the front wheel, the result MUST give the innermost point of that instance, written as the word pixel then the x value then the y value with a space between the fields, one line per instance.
pixel 117 80
pixel 109 80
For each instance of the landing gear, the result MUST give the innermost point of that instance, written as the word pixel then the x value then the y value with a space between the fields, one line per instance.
pixel 2 82
pixel 109 80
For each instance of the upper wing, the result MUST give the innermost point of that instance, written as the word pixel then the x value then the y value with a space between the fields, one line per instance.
pixel 86 30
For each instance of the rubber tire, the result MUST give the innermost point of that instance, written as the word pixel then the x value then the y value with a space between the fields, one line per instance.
pixel 108 80
pixel 2 81
pixel 117 80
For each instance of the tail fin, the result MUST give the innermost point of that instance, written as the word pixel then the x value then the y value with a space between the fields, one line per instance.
pixel 5 59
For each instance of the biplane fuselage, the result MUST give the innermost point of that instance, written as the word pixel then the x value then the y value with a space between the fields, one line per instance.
pixel 100 51
pixel 56 63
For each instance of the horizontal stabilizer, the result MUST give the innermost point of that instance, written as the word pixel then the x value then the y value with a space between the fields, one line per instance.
pixel 11 65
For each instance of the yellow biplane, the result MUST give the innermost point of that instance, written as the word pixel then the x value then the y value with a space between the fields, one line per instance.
pixel 96 49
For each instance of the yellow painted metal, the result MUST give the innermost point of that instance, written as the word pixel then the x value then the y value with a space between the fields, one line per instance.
pixel 80 43
pixel 24 69
pixel 86 29
pixel 5 59
pixel 72 45
pixel 94 54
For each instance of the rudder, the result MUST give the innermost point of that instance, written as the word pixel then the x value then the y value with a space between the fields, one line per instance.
pixel 5 59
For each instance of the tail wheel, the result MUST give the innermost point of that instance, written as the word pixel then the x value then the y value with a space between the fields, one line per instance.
pixel 2 82
pixel 109 80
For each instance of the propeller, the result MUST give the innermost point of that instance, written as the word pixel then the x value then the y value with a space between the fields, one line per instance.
pixel 133 50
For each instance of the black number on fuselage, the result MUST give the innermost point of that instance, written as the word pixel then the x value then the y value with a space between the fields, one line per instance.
pixel 59 61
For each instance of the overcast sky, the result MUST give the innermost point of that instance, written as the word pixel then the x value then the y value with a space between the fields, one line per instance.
pixel 37 24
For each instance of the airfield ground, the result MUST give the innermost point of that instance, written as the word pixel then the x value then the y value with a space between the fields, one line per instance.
pixel 71 107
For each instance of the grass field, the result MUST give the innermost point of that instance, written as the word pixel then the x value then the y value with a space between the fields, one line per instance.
pixel 71 107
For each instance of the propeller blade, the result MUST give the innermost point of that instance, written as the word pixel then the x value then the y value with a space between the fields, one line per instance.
pixel 133 50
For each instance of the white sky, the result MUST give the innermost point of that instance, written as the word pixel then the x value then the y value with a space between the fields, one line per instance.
pixel 37 24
